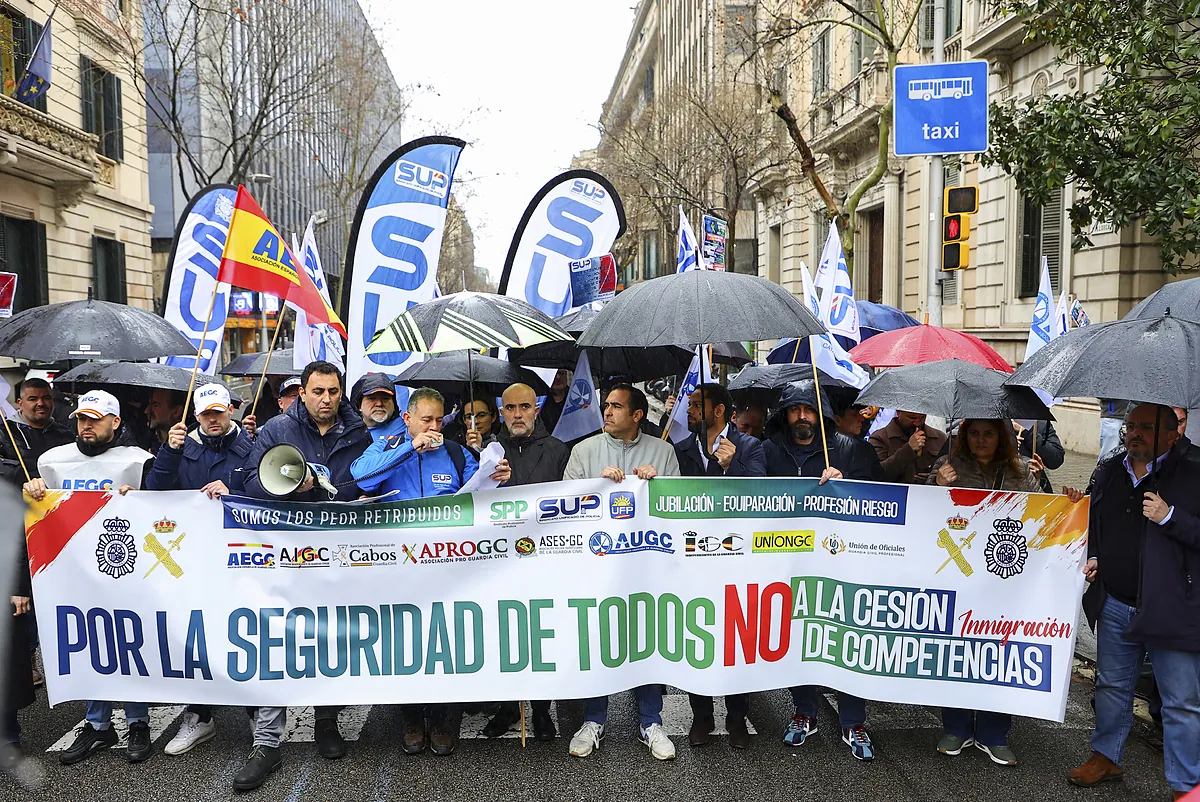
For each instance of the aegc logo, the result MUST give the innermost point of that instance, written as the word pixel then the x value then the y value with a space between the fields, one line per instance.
pixel 554 509
pixel 422 179
pixel 87 484
pixel 251 555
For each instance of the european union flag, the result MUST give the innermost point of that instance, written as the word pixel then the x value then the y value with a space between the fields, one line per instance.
pixel 36 79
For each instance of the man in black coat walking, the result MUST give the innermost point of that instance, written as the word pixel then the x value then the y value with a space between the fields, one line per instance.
pixel 1144 566
pixel 795 447
pixel 534 457
pixel 726 452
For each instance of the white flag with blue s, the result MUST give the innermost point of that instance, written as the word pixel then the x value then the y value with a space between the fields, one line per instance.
pixel 838 312
pixel 687 249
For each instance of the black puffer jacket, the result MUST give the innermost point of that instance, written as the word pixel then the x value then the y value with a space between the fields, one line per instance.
pixel 853 457
pixel 33 442
pixel 535 458
pixel 1168 613
pixel 336 449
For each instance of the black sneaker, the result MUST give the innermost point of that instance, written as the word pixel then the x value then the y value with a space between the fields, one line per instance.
pixel 261 764
pixel 501 722
pixel 543 725
pixel 330 744
pixel 87 741
pixel 138 746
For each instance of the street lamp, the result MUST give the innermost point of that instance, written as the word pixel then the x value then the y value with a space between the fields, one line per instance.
pixel 259 178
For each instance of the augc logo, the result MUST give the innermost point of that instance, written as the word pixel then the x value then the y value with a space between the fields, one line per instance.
pixel 603 544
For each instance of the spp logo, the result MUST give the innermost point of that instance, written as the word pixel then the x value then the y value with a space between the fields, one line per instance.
pixel 602 544
pixel 251 555
pixel 695 545
pixel 87 484
pixel 422 179
pixel 304 557
pixel 592 192
pixel 554 509
pixel 620 505
pixel 508 512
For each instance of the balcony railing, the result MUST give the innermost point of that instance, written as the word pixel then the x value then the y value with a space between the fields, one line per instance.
pixel 835 112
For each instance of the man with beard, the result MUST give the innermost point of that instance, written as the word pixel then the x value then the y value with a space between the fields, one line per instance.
pixel 534 457
pixel 795 446
pixel 95 462
pixel 328 431
pixel 374 396
pixel 726 452
pixel 907 448
pixel 1143 553
pixel 163 410
pixel 34 429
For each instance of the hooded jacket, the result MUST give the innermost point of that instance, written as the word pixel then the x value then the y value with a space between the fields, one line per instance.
pixel 391 464
pixel 203 460
pixel 33 442
pixel 1168 614
pixel 853 457
pixel 535 458
pixel 591 456
pixel 343 443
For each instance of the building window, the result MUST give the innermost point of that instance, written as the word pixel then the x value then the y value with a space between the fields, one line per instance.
pixel 648 84
pixel 1041 235
pixel 100 95
pixel 108 270
pixel 23 251
pixel 650 254
pixel 18 37
pixel 821 58
pixel 774 254
pixel 861 45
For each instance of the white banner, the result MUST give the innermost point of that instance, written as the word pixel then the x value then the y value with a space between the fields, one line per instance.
pixel 192 272
pixel 909 594
pixel 316 341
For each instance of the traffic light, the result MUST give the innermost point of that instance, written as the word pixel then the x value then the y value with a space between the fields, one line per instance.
pixel 958 205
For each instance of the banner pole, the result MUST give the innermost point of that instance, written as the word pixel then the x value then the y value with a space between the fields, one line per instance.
pixel 521 706
pixel 267 364
pixel 820 410
pixel 16 449
pixel 212 302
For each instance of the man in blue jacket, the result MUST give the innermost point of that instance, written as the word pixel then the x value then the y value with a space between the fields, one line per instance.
pixel 727 452
pixel 418 463
pixel 209 459
pixel 328 431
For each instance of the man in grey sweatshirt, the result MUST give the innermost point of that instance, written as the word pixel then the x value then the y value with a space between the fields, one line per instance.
pixel 623 449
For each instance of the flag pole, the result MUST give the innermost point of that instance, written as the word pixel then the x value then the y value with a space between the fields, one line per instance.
pixel 820 410
pixel 16 449
pixel 267 364
pixel 212 302
pixel 41 37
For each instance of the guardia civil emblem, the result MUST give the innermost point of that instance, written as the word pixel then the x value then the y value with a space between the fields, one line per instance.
pixel 1006 550
pixel 116 551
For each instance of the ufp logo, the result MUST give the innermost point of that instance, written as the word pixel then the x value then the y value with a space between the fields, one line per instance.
pixel 620 505
pixel 569 508
pixel 422 179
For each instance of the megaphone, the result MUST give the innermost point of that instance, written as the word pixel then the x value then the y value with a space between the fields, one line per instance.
pixel 282 470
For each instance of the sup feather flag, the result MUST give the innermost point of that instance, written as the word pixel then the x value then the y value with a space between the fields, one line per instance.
pixel 256 257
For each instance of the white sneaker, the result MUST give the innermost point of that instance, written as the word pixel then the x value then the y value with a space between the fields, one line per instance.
pixel 587 740
pixel 192 732
pixel 661 747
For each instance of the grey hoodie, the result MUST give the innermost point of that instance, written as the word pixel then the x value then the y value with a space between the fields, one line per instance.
pixel 590 458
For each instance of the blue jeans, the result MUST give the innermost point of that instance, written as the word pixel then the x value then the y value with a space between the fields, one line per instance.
pixel 1118 665
pixel 986 727
pixel 99 714
pixel 649 702
pixel 852 711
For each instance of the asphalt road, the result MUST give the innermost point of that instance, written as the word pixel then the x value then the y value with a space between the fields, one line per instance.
pixel 906 767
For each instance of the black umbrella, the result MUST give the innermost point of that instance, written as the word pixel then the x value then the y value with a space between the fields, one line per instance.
pixel 1181 299
pixel 700 306
pixel 775 377
pixel 733 354
pixel 449 373
pixel 113 376
pixel 90 329
pixel 253 364
pixel 1150 360
pixel 633 364
pixel 953 388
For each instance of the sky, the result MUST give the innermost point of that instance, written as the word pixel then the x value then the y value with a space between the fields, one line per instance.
pixel 521 82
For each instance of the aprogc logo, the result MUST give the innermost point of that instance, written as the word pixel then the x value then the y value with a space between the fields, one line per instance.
pixel 569 508
pixel 251 555
pixel 422 179
pixel 304 557
pixel 603 544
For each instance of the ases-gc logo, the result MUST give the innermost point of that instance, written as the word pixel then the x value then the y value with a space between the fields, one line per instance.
pixel 603 544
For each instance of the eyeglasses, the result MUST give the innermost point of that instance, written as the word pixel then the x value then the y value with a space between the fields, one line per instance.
pixel 474 415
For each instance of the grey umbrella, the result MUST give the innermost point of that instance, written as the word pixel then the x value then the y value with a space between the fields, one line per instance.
pixel 775 377
pixel 253 364
pixel 90 329
pixel 1180 299
pixel 122 375
pixel 953 388
pixel 697 307
pixel 453 373
pixel 1149 360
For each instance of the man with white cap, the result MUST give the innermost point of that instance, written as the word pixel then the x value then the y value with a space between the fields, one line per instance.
pixel 210 459
pixel 96 462
pixel 289 391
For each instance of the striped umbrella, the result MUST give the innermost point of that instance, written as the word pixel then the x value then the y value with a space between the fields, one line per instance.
pixel 466 321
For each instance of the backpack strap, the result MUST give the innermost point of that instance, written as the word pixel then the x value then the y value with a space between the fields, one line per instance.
pixel 458 458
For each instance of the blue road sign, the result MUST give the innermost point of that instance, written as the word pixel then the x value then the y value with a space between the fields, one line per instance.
pixel 941 108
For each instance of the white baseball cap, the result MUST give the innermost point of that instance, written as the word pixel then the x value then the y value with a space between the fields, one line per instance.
pixel 97 404
pixel 213 396
pixel 288 384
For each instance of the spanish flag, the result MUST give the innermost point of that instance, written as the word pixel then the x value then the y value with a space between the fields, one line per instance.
pixel 256 257
pixel 306 296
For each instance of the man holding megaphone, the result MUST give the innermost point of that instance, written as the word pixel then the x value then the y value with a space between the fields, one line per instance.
pixel 303 455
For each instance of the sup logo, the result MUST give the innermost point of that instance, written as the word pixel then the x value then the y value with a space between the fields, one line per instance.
pixel 1006 550
pixel 569 508
pixel 116 552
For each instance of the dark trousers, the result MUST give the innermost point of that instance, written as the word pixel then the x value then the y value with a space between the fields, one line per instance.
pixel 330 712
pixel 435 717
pixel 513 709
pixel 10 728
pixel 203 711
pixel 990 729
pixel 737 705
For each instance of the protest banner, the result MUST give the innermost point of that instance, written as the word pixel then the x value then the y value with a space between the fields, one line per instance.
pixel 912 594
